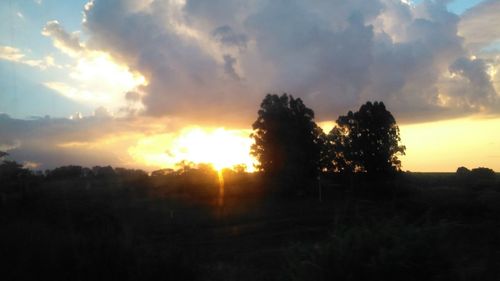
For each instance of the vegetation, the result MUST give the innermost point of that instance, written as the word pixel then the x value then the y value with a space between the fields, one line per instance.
pixel 366 141
pixel 101 223
pixel 286 140
pixel 169 226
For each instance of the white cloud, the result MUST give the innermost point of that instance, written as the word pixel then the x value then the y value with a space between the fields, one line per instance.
pixel 68 43
pixel 16 55
pixel 10 54
pixel 215 61
pixel 94 78
pixel 479 25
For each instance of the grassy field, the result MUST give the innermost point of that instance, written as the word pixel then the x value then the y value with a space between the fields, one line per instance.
pixel 414 227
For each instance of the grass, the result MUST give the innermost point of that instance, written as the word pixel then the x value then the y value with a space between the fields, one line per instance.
pixel 416 227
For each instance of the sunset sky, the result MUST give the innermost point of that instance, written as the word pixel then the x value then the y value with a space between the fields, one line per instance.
pixel 148 83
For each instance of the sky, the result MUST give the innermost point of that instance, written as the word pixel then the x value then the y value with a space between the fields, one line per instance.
pixel 148 83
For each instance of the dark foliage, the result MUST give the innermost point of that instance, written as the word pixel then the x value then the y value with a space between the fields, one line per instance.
pixel 366 141
pixel 463 171
pixel 334 152
pixel 12 171
pixel 169 226
pixel 66 172
pixel 483 173
pixel 287 143
pixel 476 178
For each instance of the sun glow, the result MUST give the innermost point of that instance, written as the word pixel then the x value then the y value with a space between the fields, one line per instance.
pixel 96 78
pixel 220 147
pixel 444 146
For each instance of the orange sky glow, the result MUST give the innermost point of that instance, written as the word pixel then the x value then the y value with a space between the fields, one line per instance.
pixel 430 147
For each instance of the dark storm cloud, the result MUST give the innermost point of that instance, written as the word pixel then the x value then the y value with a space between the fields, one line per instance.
pixel 229 63
pixel 214 60
pixel 226 36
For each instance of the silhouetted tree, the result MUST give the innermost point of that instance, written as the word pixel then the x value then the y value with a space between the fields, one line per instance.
pixel 130 173
pixel 162 172
pixel 11 170
pixel 286 139
pixel 463 171
pixel 325 163
pixel 482 173
pixel 334 150
pixel 66 172
pixel 103 172
pixel 367 140
pixel 475 176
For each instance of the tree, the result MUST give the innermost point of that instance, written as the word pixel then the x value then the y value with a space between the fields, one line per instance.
pixel 368 140
pixel 463 172
pixel 286 139
pixel 334 151
pixel 66 172
pixel 482 173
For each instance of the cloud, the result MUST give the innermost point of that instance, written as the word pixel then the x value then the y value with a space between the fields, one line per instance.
pixel 211 62
pixel 229 67
pixel 10 54
pixel 69 43
pixel 226 36
pixel 216 61
pixel 16 55
pixel 94 78
pixel 91 140
pixel 478 90
pixel 102 139
pixel 133 96
pixel 479 25
pixel 97 80
pixel 102 113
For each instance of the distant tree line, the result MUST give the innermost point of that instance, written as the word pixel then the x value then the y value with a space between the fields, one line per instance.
pixel 11 172
pixel 479 173
pixel 290 147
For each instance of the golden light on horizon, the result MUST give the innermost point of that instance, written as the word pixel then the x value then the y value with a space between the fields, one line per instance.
pixel 444 146
pixel 220 147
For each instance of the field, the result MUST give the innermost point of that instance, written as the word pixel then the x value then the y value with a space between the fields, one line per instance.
pixel 175 227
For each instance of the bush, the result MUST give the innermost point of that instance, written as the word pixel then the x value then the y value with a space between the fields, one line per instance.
pixel 387 251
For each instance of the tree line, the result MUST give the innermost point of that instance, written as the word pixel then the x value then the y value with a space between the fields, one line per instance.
pixel 289 146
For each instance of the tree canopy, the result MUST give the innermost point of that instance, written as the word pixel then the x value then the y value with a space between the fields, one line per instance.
pixel 367 140
pixel 286 138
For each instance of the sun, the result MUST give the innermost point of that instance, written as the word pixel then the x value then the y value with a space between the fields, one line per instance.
pixel 219 147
